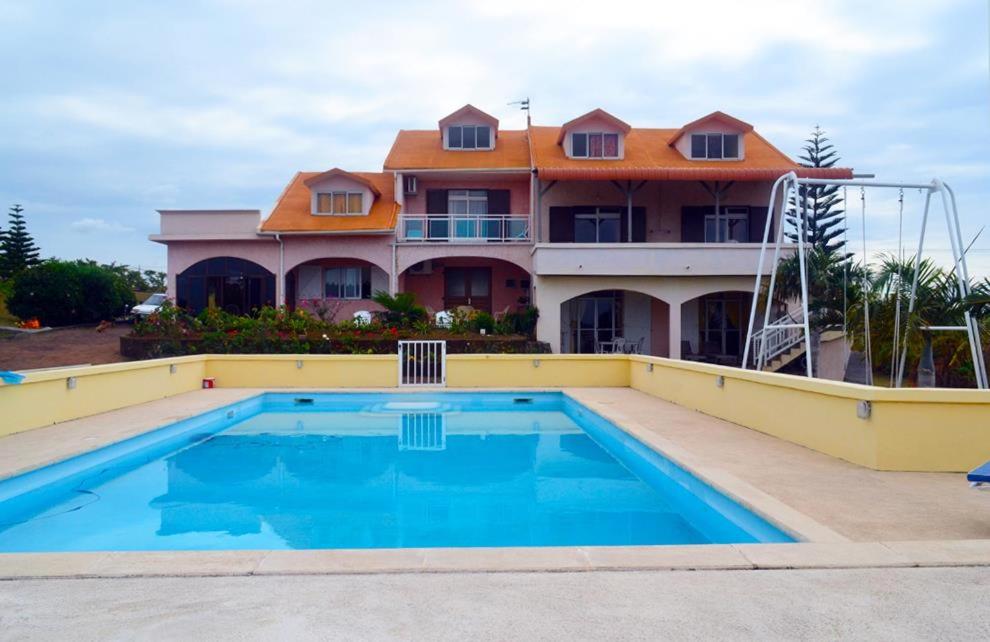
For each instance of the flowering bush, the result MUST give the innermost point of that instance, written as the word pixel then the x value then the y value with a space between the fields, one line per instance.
pixel 280 330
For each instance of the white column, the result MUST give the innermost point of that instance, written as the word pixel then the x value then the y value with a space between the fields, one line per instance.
pixel 674 329
pixel 548 324
pixel 280 278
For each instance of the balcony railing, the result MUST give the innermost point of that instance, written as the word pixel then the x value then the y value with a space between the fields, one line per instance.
pixel 464 228
pixel 649 259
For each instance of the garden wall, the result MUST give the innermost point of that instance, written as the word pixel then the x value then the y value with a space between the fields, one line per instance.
pixel 908 429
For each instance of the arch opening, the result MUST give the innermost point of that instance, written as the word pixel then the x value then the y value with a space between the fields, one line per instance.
pixel 713 327
pixel 232 284
pixel 335 288
pixel 615 321
pixel 487 284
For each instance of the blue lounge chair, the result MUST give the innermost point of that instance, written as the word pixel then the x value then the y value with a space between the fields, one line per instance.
pixel 11 377
pixel 979 475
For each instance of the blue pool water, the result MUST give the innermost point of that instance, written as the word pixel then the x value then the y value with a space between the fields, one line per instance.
pixel 373 471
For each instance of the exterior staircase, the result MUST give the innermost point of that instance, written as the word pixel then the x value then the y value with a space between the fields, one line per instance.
pixel 782 341
pixel 784 358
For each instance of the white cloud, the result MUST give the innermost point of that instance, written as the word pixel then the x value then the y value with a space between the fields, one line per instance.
pixel 224 103
pixel 99 226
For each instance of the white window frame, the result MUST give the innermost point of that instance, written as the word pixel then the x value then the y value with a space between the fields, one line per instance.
pixel 597 216
pixel 724 135
pixel 474 130
pixel 587 145
pixel 467 196
pixel 727 213
pixel 345 271
pixel 347 201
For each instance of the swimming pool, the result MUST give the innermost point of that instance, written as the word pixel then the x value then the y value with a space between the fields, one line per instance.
pixel 373 470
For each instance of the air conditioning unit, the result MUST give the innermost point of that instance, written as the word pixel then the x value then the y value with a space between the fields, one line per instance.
pixel 423 267
pixel 409 184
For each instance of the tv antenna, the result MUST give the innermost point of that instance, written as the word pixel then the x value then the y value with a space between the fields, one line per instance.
pixel 523 105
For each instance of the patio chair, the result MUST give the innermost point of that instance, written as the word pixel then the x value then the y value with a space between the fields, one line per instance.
pixel 443 319
pixel 688 353
pixel 362 317
pixel 618 345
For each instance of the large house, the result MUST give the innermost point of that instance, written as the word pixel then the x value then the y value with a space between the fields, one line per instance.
pixel 651 235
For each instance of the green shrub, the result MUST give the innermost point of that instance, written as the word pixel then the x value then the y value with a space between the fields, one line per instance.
pixel 482 321
pixel 523 322
pixel 69 292
pixel 401 309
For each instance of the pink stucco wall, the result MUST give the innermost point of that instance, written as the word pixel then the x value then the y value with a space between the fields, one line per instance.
pixel 376 250
pixel 342 309
pixel 184 254
pixel 429 288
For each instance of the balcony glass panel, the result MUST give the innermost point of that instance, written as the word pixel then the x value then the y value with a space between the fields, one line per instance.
pixel 439 228
pixel 415 228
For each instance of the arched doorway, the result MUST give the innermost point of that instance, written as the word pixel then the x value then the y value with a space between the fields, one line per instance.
pixel 335 288
pixel 487 284
pixel 607 320
pixel 234 285
pixel 713 327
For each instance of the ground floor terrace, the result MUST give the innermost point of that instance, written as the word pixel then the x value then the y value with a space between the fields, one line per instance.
pixel 887 553
pixel 702 318
pixel 699 319
pixel 339 277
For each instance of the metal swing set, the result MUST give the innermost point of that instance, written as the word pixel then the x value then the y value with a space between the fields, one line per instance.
pixel 786 332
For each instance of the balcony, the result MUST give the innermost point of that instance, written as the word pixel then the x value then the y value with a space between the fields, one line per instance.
pixel 648 259
pixel 464 228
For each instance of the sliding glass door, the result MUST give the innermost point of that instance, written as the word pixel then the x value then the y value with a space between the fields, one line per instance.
pixel 598 319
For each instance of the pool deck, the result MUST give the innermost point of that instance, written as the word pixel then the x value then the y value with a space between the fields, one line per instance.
pixel 850 517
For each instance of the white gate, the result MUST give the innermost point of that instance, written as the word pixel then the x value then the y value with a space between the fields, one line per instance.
pixel 422 363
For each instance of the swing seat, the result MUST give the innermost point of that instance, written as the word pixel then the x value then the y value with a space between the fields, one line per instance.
pixel 980 476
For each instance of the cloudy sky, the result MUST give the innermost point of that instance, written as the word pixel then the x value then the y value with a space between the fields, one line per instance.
pixel 111 110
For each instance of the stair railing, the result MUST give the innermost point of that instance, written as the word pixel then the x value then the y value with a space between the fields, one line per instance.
pixel 775 339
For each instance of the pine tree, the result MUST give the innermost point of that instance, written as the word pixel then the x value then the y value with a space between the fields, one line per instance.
pixel 823 203
pixel 17 249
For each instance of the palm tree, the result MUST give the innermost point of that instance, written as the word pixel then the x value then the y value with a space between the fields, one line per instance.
pixel 937 303
pixel 834 283
pixel 400 309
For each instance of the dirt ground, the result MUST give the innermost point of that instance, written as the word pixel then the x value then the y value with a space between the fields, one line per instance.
pixel 68 347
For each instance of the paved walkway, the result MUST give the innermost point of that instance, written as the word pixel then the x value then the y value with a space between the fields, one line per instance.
pixel 859 503
pixel 867 604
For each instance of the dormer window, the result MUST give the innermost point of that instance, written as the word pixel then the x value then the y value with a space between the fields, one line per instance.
pixel 716 146
pixel 594 145
pixel 469 137
pixel 340 203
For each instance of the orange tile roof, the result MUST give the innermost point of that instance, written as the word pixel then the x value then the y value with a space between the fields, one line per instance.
pixel 649 156
pixel 423 149
pixel 292 211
